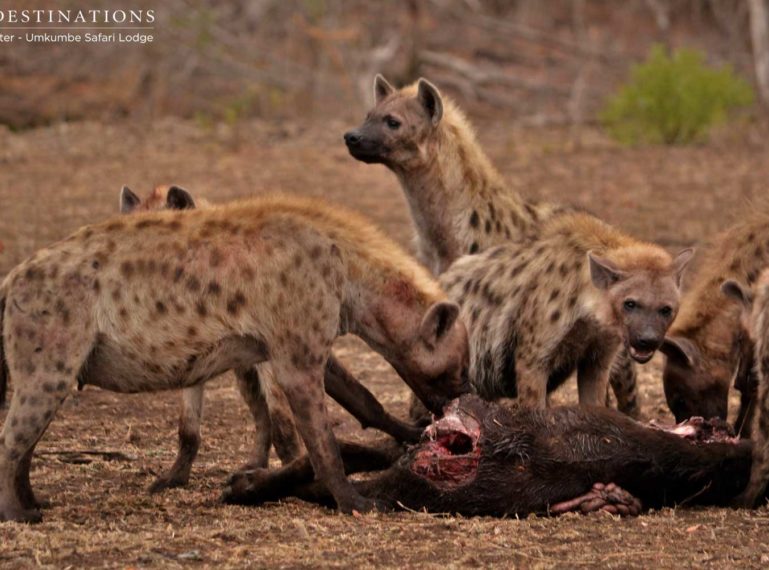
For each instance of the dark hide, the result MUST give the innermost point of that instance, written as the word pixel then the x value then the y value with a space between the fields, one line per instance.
pixel 485 459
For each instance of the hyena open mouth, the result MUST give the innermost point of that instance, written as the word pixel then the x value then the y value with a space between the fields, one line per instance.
pixel 449 454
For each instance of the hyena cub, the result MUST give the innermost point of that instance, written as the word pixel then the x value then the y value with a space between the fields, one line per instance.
pixel 168 300
pixel 459 202
pixel 539 310
pixel 707 348
pixel 755 321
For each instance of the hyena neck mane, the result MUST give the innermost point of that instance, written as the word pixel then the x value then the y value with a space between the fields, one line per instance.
pixel 458 200
pixel 586 233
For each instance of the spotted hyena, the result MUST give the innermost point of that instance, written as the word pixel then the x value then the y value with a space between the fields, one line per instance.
pixel 754 306
pixel 168 300
pixel 459 202
pixel 268 405
pixel 706 347
pixel 272 420
pixel 566 301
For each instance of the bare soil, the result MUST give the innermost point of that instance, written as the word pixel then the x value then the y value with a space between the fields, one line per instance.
pixel 52 180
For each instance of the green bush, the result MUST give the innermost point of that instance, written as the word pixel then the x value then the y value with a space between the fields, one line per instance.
pixel 673 99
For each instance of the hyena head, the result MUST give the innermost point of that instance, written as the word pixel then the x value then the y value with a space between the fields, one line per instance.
pixel 161 198
pixel 437 358
pixel 694 385
pixel 697 383
pixel 643 300
pixel 396 129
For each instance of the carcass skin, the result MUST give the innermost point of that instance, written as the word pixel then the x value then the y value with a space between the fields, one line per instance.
pixel 483 458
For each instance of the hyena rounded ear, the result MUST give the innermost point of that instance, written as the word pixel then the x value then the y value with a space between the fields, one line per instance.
pixel 680 262
pixel 128 200
pixel 736 291
pixel 382 88
pixel 179 199
pixel 437 322
pixel 680 349
pixel 603 273
pixel 430 98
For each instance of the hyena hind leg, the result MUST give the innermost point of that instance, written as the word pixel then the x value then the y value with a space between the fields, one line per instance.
pixel 306 396
pixel 41 388
pixel 189 441
pixel 623 381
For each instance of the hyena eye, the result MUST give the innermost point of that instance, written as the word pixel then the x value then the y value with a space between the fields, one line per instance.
pixel 666 311
pixel 630 305
pixel 392 123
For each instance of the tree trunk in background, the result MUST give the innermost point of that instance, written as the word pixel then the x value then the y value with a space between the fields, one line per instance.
pixel 759 32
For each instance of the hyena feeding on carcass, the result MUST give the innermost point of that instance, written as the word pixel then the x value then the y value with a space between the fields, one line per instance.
pixel 707 348
pixel 567 301
pixel 167 300
pixel 267 404
pixel 459 202
pixel 755 321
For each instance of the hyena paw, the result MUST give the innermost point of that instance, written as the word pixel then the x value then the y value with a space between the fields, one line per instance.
pixel 602 497
pixel 31 516
pixel 167 481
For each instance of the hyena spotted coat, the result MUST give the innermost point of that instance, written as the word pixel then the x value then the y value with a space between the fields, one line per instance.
pixel 707 346
pixel 459 202
pixel 266 402
pixel 268 405
pixel 754 305
pixel 167 300
pixel 567 301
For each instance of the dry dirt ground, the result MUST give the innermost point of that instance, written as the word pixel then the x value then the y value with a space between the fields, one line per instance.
pixel 54 179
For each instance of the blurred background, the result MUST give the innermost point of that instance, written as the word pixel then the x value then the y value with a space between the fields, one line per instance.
pixel 546 62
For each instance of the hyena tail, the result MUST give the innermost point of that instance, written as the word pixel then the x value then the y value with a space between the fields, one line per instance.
pixel 3 363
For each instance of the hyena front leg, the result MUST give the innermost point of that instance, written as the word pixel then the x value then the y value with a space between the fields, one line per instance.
pixel 622 379
pixel 356 399
pixel 593 376
pixel 531 381
pixel 285 438
pixel 273 421
pixel 759 472
pixel 303 387
pixel 44 366
pixel 189 441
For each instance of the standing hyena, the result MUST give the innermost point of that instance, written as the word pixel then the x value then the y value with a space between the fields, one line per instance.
pixel 167 300
pixel 266 402
pixel 566 301
pixel 707 347
pixel 459 202
pixel 268 405
pixel 755 322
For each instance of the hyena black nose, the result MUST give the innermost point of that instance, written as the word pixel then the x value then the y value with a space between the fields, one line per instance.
pixel 647 343
pixel 352 138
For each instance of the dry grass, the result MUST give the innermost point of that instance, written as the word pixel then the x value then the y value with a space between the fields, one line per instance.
pixel 53 180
